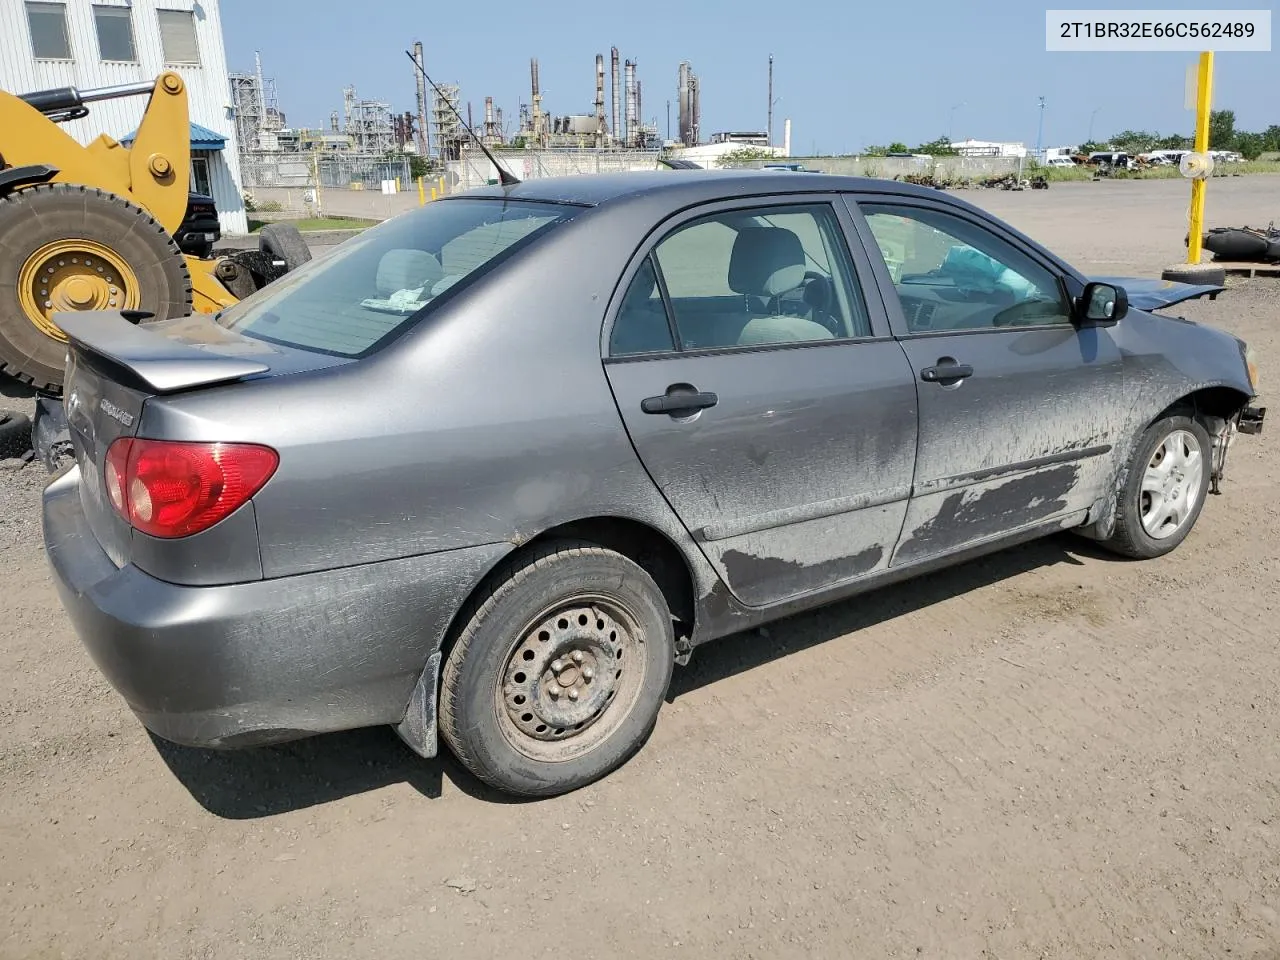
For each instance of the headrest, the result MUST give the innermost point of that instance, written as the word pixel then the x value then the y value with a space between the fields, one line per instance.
pixel 405 269
pixel 765 262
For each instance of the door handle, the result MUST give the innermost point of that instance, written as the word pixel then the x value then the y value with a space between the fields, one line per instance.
pixel 946 372
pixel 678 402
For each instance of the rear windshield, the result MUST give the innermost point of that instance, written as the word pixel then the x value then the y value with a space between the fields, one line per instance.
pixel 375 286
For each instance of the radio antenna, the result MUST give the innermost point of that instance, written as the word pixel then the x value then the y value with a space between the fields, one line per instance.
pixel 505 178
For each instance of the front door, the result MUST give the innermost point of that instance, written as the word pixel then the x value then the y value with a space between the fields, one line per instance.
pixel 1017 404
pixel 771 407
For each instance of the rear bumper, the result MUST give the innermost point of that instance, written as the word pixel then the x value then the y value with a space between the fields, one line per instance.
pixel 257 662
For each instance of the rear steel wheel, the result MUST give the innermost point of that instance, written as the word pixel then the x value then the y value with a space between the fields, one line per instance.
pixel 571 678
pixel 558 670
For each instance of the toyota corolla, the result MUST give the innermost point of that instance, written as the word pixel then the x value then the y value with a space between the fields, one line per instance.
pixel 489 470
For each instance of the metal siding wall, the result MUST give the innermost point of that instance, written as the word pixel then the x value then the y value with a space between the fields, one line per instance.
pixel 208 90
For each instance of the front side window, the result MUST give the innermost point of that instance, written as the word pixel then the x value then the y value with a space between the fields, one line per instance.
pixel 178 36
pixel 759 276
pixel 377 285
pixel 952 274
pixel 115 33
pixel 48 25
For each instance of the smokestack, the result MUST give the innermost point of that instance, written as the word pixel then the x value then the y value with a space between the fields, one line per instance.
pixel 695 111
pixel 639 116
pixel 614 128
pixel 629 125
pixel 786 137
pixel 599 99
pixel 488 117
pixel 537 100
pixel 424 136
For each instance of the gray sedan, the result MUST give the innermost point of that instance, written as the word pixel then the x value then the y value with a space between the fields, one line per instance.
pixel 489 470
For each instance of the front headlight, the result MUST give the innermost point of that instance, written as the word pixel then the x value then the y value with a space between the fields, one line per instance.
pixel 1251 364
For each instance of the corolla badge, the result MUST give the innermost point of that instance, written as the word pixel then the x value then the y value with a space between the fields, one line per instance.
pixel 115 413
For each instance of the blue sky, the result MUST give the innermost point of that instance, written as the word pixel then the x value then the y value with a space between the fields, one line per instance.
pixel 847 74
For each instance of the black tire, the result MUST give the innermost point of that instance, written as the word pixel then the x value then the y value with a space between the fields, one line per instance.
pixel 1130 538
pixel 15 434
pixel 519 617
pixel 1234 244
pixel 35 216
pixel 284 242
pixel 1202 273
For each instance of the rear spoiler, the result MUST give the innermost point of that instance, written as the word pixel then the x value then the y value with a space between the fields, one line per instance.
pixel 165 365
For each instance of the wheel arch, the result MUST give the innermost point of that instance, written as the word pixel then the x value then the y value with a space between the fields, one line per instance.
pixel 640 542
pixel 643 544
pixel 1219 400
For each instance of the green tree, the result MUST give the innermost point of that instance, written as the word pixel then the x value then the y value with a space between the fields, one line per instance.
pixel 1093 146
pixel 1271 138
pixel 1173 142
pixel 419 166
pixel 897 147
pixel 745 155
pixel 941 147
pixel 1222 129
pixel 1135 141
pixel 1249 145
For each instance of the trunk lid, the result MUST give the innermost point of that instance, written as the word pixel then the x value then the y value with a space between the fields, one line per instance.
pixel 1147 294
pixel 114 367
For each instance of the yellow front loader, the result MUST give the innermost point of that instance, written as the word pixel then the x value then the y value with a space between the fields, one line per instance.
pixel 91 227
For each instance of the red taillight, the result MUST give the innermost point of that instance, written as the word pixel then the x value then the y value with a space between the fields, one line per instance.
pixel 170 489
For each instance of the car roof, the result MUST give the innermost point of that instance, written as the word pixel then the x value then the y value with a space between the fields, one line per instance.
pixel 688 185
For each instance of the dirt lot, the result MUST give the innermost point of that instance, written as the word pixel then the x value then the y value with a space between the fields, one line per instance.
pixel 1047 753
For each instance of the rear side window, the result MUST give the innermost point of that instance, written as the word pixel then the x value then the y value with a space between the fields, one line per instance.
pixel 375 286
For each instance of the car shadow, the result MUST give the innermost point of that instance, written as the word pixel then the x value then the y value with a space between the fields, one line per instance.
pixel 745 651
pixel 255 782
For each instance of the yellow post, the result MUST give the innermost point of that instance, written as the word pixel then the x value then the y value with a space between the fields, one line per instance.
pixel 441 185
pixel 315 175
pixel 397 184
pixel 422 195
pixel 1204 97
pixel 433 193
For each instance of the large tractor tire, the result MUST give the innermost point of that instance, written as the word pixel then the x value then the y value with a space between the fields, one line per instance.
pixel 66 247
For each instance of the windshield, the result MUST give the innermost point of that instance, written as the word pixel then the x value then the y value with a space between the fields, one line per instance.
pixel 375 286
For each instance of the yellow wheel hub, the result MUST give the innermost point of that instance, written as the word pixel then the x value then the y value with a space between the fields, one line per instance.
pixel 75 274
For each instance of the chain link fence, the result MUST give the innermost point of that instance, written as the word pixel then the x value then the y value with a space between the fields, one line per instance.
pixel 350 172
pixel 474 169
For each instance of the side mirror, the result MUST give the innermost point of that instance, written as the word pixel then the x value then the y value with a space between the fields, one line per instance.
pixel 1102 305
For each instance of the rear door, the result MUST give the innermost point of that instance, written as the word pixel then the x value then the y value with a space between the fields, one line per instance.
pixel 1018 406
pixel 767 401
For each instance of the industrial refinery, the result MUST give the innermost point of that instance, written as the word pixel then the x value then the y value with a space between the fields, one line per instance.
pixel 365 138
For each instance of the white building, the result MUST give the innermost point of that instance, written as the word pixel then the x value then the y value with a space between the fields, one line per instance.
pixel 711 154
pixel 83 44
pixel 989 148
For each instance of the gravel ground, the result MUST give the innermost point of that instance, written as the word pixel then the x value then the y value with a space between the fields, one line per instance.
pixel 1047 753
